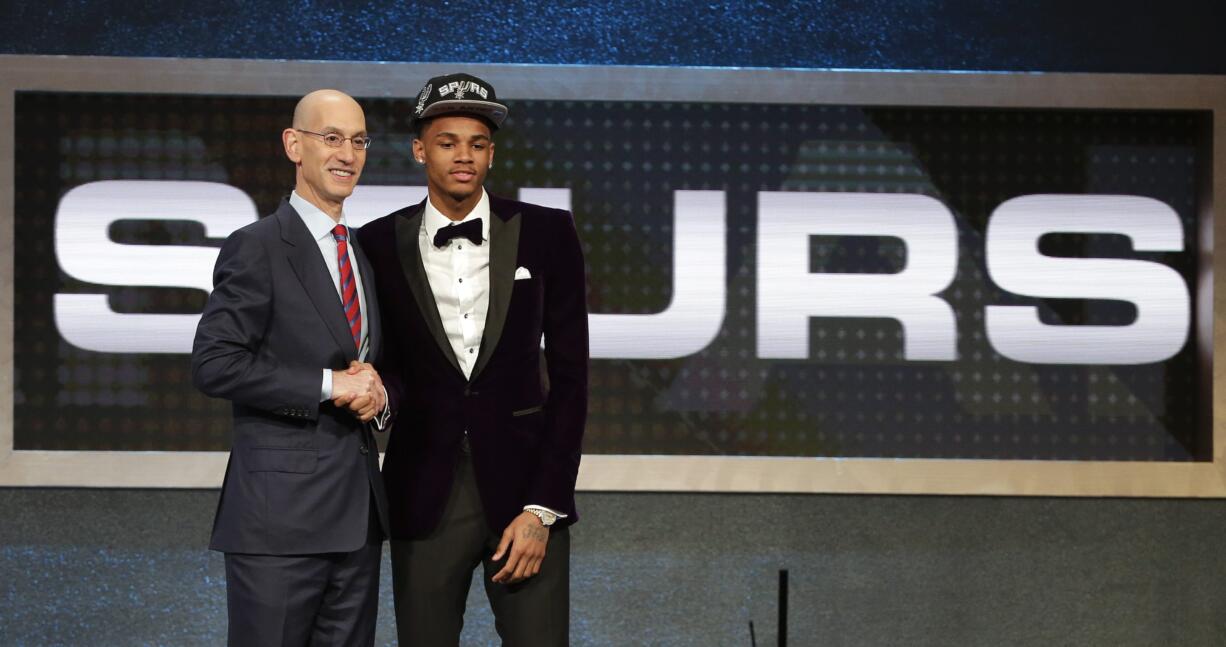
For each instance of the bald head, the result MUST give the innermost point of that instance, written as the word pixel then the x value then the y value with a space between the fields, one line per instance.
pixel 320 144
pixel 315 106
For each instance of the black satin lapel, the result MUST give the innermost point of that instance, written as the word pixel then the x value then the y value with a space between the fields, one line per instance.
pixel 374 325
pixel 309 267
pixel 504 250
pixel 407 231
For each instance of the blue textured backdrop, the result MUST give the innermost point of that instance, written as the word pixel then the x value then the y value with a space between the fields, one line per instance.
pixel 1176 36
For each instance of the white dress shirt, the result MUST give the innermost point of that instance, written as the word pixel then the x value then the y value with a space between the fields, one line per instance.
pixel 459 276
pixel 320 225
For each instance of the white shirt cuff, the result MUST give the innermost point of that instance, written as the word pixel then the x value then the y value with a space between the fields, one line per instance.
pixel 381 419
pixel 544 509
pixel 325 390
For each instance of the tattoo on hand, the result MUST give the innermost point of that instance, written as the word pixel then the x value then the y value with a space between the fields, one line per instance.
pixel 535 534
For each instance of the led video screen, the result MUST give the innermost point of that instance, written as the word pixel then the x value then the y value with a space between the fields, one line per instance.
pixel 764 279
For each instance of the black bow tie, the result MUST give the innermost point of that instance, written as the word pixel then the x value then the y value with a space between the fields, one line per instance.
pixel 470 229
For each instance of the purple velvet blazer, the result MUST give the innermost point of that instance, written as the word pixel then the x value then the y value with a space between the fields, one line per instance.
pixel 524 416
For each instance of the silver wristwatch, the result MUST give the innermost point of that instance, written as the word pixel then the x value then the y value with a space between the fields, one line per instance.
pixel 547 518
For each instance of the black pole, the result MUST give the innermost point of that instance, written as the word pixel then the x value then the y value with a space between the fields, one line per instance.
pixel 783 608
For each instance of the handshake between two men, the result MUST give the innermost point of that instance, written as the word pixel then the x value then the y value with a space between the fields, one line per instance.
pixel 360 390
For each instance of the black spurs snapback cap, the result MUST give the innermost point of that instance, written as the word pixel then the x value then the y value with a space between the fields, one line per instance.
pixel 459 93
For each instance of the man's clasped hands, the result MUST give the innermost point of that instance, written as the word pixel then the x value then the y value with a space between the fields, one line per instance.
pixel 360 390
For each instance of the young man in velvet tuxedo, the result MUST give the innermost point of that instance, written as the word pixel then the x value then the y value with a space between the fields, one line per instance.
pixel 481 463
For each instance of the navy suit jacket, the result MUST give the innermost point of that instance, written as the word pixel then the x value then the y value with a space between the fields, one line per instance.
pixel 525 420
pixel 302 474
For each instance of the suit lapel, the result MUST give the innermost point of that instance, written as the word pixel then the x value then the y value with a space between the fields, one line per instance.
pixel 304 257
pixel 407 231
pixel 504 250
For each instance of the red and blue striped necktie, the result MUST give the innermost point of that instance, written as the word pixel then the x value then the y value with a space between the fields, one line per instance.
pixel 349 287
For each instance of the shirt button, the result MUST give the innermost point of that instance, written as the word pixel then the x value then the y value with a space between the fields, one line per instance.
pixel 465 316
pixel 461 280
pixel 470 351
pixel 459 247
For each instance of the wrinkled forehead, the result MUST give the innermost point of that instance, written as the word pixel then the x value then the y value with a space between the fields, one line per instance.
pixel 335 115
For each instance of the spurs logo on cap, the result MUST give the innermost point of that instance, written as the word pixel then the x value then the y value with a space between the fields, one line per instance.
pixel 460 94
pixel 459 88
pixel 421 98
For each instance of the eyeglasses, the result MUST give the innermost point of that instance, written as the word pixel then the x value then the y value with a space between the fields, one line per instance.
pixel 334 140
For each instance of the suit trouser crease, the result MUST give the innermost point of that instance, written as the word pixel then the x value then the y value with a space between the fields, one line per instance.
pixel 322 600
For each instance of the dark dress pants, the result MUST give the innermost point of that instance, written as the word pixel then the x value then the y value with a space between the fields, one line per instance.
pixel 431 578
pixel 323 600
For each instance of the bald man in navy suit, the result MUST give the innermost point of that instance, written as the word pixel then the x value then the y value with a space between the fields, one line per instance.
pixel 292 316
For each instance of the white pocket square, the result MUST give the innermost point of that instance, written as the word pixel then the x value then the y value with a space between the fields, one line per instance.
pixel 522 273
